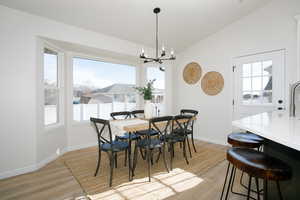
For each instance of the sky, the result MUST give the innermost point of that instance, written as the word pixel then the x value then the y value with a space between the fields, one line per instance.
pixel 100 74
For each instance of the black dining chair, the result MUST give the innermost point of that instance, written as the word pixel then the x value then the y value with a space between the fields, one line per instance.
pixel 190 130
pixel 108 145
pixel 181 122
pixel 138 114
pixel 163 126
pixel 125 136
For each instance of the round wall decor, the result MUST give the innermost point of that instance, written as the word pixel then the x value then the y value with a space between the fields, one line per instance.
pixel 192 73
pixel 212 83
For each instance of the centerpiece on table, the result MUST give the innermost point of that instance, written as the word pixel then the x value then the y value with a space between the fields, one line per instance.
pixel 147 92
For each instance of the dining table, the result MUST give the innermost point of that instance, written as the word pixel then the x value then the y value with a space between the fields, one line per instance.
pixel 121 126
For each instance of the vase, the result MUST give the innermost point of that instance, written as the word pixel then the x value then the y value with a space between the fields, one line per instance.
pixel 148 110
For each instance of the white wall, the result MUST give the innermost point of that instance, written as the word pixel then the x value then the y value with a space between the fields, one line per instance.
pixel 298 45
pixel 23 141
pixel 269 28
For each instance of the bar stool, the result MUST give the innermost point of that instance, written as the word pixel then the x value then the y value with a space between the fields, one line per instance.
pixel 247 140
pixel 257 165
pixel 244 140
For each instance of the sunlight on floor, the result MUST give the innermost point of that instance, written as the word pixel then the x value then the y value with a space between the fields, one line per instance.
pixel 162 185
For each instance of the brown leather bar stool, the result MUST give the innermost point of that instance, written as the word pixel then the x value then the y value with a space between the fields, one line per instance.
pixel 257 165
pixel 244 140
pixel 247 140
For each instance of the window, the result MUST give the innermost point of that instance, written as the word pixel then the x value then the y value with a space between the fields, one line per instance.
pixel 159 88
pixel 257 83
pixel 100 88
pixel 51 87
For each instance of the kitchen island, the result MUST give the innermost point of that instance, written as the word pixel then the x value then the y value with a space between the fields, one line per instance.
pixel 282 134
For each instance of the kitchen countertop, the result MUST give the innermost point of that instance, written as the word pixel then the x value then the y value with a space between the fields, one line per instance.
pixel 276 126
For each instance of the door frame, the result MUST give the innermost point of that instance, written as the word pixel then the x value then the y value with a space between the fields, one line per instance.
pixel 235 95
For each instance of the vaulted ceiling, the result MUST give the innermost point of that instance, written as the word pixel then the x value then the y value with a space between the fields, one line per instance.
pixel 182 22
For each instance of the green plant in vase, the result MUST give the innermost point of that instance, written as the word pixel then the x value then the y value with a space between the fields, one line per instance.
pixel 147 92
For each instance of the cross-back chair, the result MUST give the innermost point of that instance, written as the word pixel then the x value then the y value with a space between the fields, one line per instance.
pixel 180 122
pixel 125 137
pixel 163 125
pixel 190 130
pixel 107 144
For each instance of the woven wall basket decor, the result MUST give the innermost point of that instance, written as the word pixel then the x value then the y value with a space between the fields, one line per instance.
pixel 212 83
pixel 192 73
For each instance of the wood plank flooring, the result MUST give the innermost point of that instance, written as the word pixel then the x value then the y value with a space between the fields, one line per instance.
pixel 56 181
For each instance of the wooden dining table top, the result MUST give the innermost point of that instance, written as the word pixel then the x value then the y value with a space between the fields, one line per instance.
pixel 142 124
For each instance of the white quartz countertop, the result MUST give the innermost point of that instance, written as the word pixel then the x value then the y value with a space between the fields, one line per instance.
pixel 276 126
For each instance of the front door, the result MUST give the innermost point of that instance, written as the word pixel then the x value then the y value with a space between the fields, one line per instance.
pixel 259 84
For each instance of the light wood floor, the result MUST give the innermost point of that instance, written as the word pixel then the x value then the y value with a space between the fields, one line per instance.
pixel 56 181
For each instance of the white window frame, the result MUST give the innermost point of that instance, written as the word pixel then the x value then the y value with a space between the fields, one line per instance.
pixel 165 85
pixel 242 77
pixel 99 59
pixel 60 85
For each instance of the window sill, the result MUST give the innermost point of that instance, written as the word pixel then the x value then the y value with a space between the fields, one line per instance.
pixel 51 127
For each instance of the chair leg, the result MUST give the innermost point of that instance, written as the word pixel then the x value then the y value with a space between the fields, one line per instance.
pixel 227 171
pixel 187 139
pixel 151 154
pixel 116 160
pixel 134 159
pixel 192 137
pixel 257 188
pixel 230 182
pixel 112 159
pixel 158 156
pixel 265 189
pixel 125 161
pixel 249 187
pixel 184 151
pixel 142 154
pixel 164 158
pixel 148 155
pixel 171 156
pixel 279 191
pixel 99 160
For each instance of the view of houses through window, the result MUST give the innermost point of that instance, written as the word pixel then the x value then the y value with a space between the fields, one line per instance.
pixel 100 88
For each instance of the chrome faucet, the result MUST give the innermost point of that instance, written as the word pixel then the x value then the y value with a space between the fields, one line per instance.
pixel 293 89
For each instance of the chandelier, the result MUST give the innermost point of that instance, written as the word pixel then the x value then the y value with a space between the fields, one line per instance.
pixel 163 56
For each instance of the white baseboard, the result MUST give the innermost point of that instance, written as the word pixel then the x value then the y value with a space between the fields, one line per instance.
pixel 43 162
pixel 82 146
pixel 211 140
pixel 49 159
pixel 19 171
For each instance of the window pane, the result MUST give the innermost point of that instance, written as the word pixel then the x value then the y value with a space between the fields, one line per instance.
pixel 50 68
pixel 102 88
pixel 256 69
pixel 246 84
pixel 256 83
pixel 267 83
pixel 51 106
pixel 247 97
pixel 89 110
pixel 267 67
pixel 158 75
pixel 267 97
pixel 76 112
pixel 256 97
pixel 246 70
pixel 159 89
